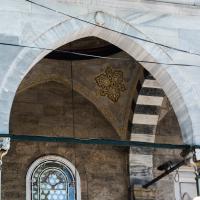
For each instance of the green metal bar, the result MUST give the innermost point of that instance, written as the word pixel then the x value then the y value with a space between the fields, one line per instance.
pixel 73 140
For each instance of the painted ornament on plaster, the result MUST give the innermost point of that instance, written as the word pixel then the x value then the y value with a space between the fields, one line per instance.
pixel 111 84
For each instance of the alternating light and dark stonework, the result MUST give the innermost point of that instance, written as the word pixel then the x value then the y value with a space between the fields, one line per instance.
pixel 143 128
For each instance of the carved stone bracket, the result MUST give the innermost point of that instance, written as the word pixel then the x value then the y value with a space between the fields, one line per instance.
pixel 4 147
pixel 4 143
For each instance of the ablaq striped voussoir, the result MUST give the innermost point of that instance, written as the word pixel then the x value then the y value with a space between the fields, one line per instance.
pixel 143 128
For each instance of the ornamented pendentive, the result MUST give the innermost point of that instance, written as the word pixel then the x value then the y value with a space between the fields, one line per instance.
pixel 111 83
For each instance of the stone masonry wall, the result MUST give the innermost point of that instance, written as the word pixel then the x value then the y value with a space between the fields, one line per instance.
pixel 47 110
pixel 168 131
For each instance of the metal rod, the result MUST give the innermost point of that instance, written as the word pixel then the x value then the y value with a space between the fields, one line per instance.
pixel 197 184
pixel 99 141
pixel 164 174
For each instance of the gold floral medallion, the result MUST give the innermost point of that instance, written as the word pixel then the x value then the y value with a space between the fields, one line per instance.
pixel 111 83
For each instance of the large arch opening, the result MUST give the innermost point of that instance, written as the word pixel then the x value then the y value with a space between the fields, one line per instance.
pixel 70 30
pixel 62 96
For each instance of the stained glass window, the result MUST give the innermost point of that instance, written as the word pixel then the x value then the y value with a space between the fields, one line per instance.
pixel 52 180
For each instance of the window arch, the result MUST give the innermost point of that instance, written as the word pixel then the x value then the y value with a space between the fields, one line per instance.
pixel 52 178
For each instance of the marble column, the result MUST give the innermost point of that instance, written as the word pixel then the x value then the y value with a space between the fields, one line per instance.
pixel 4 147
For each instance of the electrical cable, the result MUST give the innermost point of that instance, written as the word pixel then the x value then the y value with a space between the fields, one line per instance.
pixel 100 57
pixel 73 124
pixel 173 3
pixel 122 33
pixel 63 51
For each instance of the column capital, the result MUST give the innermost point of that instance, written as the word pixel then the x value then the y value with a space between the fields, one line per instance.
pixel 4 143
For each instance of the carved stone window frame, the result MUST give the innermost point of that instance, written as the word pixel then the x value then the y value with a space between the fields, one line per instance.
pixel 186 176
pixel 64 161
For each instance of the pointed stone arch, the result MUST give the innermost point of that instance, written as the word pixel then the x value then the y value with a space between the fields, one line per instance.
pixel 72 29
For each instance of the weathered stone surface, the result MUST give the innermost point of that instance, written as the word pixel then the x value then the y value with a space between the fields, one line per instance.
pixel 170 24
pixel 173 24
pixel 84 74
pixel 47 110
pixel 168 131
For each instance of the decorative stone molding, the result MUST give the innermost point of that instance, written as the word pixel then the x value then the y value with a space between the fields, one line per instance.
pixel 185 185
